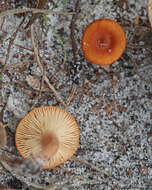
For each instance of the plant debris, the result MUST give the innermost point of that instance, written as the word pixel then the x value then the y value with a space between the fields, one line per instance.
pixel 43 65
pixel 149 7
pixel 3 135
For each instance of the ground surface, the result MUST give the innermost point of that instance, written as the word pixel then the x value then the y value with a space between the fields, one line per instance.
pixel 112 106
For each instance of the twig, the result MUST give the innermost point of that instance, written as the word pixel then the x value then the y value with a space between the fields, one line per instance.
pixel 33 10
pixel 12 40
pixel 71 96
pixel 42 70
pixel 92 166
pixel 20 46
pixel 75 64
pixel 1 26
pixel 88 182
pixel 11 170
pixel 12 164
pixel 40 5
pixel 12 66
pixel 73 25
pixel 114 122
pixel 3 7
pixel 53 89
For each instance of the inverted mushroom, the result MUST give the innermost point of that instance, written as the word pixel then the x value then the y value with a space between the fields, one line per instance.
pixel 47 133
pixel 103 41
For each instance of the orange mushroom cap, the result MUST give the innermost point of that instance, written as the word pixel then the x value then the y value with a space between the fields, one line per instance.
pixel 49 134
pixel 103 41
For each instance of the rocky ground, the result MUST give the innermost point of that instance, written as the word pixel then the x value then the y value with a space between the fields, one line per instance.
pixel 112 106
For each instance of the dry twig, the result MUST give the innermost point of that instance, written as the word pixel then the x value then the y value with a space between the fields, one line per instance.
pixel 42 70
pixel 92 166
pixel 71 96
pixel 75 64
pixel 40 5
pixel 12 66
pixel 33 10
pixel 11 42
pixel 73 25
pixel 25 180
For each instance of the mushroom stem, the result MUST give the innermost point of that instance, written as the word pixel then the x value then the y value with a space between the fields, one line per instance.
pixel 50 144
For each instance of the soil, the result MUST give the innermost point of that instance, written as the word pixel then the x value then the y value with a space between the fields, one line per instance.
pixel 112 105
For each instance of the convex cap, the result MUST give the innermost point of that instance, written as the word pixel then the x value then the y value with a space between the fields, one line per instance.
pixel 103 41
pixel 47 133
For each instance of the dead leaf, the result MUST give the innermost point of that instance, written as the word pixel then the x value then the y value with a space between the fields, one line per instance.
pixel 149 9
pixel 3 136
pixel 34 83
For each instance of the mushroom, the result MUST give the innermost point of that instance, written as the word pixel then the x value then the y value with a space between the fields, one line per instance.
pixel 49 134
pixel 103 41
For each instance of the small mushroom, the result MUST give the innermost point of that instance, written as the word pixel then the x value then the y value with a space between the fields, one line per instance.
pixel 49 134
pixel 103 41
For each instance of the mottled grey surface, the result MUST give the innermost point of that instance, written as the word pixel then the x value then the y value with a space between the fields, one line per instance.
pixel 113 109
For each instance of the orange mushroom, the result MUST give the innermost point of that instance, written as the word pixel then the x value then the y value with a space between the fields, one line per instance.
pixel 49 134
pixel 103 41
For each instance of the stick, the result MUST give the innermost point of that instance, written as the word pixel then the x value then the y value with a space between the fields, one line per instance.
pixel 42 70
pixel 92 166
pixel 33 10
